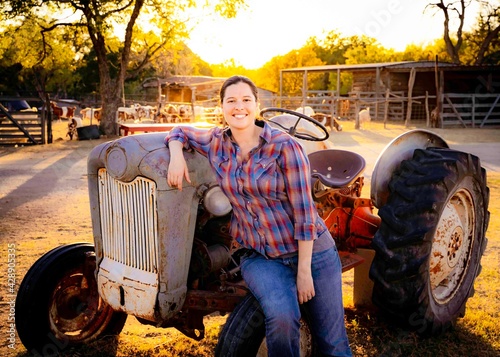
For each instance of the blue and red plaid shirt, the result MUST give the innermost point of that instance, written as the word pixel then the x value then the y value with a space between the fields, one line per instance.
pixel 270 192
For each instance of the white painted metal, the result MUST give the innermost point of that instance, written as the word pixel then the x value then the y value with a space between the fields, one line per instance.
pixel 129 221
pixel 128 274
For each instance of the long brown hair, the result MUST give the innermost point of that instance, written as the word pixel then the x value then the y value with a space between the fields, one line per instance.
pixel 237 79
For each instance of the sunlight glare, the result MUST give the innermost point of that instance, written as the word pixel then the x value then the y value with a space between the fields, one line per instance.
pixel 271 28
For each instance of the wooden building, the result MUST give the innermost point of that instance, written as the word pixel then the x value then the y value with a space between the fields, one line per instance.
pixel 442 94
pixel 195 90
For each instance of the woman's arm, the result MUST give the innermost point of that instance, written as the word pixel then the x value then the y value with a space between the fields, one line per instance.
pixel 305 285
pixel 181 138
pixel 177 168
pixel 295 166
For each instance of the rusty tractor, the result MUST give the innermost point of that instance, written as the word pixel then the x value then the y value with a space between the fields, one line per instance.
pixel 165 256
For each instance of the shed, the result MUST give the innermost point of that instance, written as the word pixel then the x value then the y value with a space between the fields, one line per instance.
pixel 196 90
pixel 404 91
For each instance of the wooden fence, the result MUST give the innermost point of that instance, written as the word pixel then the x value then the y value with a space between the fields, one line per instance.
pixel 466 110
pixel 471 110
pixel 27 127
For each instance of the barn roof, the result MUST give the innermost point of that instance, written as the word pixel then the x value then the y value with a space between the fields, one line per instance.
pixel 396 66
pixel 183 81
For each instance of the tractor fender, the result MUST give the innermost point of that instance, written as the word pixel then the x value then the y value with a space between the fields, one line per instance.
pixel 399 149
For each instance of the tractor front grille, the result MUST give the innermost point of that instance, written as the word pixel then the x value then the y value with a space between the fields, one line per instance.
pixel 128 212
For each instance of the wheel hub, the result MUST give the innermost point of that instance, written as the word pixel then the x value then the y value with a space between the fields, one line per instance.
pixel 76 311
pixel 451 246
pixel 72 307
pixel 455 245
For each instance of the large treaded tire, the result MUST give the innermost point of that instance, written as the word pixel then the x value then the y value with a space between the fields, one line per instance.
pixel 58 305
pixel 244 333
pixel 432 237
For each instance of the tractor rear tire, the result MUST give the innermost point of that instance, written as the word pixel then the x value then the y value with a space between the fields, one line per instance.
pixel 58 305
pixel 429 246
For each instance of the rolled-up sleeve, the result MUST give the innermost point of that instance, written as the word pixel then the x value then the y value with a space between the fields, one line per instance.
pixel 296 171
pixel 192 138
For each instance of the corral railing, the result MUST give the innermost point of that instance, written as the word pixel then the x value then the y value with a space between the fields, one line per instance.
pixel 390 107
pixel 471 110
pixel 26 127
pixel 466 110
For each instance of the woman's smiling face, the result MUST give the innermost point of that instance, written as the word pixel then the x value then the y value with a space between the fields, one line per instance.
pixel 239 106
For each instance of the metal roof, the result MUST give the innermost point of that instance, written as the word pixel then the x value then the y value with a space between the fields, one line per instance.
pixel 183 81
pixel 424 65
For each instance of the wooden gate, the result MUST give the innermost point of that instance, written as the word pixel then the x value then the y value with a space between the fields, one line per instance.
pixel 470 110
pixel 25 127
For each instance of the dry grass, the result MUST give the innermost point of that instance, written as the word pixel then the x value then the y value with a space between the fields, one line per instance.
pixel 477 334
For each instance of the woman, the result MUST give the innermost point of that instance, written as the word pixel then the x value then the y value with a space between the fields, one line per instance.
pixel 292 258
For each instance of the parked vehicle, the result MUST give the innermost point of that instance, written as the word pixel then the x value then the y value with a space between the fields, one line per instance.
pixel 15 105
pixel 11 105
pixel 165 256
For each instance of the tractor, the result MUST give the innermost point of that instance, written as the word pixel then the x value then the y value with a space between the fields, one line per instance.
pixel 166 257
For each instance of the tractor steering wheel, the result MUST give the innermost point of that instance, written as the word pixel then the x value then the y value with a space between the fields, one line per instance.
pixel 292 130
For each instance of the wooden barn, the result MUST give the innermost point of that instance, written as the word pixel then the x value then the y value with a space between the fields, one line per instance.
pixel 195 90
pixel 441 94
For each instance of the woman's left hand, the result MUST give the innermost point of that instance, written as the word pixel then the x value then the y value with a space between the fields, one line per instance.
pixel 305 286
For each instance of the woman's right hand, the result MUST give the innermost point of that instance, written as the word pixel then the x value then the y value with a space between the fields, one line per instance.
pixel 177 168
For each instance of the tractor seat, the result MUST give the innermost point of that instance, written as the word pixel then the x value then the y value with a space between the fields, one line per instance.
pixel 336 168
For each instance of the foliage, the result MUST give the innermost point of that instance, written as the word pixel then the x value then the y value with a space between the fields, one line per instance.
pixel 269 79
pixel 101 21
pixel 483 43
pixel 481 46
pixel 50 63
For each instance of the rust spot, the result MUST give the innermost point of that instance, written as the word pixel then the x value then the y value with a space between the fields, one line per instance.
pixel 436 269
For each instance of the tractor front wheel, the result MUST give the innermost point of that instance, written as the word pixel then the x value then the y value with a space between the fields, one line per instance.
pixel 58 305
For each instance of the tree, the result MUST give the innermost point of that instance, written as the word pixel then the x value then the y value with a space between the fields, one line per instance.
pixel 446 8
pixel 414 52
pixel 22 59
pixel 100 19
pixel 268 76
pixel 486 33
pixel 484 40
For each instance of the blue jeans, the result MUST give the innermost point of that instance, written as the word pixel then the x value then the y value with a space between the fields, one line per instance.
pixel 273 283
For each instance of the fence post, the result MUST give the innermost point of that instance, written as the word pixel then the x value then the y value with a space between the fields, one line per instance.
pixel 473 113
pixel 356 125
pixel 386 106
pixel 427 114
pixel 48 116
pixel 411 82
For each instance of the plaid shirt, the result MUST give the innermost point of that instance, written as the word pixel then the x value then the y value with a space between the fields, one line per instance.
pixel 270 192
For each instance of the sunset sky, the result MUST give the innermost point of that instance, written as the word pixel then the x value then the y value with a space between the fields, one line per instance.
pixel 275 27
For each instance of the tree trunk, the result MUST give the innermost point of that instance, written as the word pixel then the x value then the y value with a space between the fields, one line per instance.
pixel 452 49
pixel 111 100
pixel 111 88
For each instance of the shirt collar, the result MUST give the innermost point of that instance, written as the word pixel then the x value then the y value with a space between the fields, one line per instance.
pixel 266 132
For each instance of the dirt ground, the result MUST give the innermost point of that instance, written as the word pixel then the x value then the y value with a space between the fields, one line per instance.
pixel 44 199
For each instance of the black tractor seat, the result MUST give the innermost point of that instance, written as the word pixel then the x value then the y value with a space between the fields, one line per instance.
pixel 336 168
